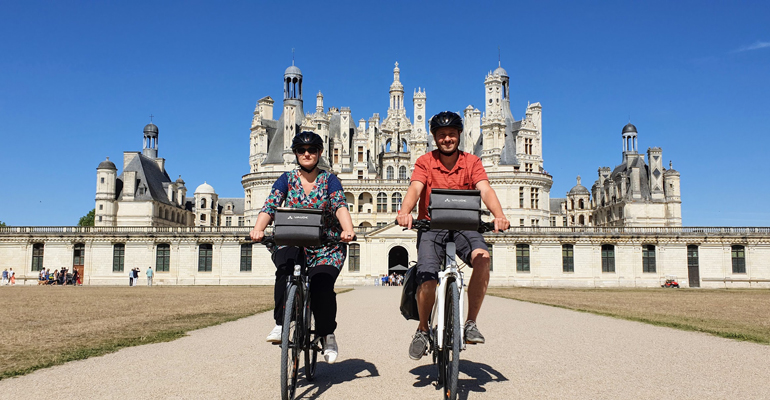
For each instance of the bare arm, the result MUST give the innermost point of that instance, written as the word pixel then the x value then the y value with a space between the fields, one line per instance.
pixel 263 219
pixel 489 197
pixel 410 200
pixel 343 215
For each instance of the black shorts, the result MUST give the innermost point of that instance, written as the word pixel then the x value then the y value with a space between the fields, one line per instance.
pixel 430 251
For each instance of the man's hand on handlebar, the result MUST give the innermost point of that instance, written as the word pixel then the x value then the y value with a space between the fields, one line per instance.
pixel 405 220
pixel 501 224
pixel 256 235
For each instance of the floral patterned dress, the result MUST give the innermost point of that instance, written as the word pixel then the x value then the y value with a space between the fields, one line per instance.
pixel 327 195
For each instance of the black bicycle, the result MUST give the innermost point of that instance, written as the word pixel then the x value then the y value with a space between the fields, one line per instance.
pixel 453 211
pixel 300 228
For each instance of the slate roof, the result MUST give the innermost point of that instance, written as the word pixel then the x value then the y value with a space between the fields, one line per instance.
pixel 555 205
pixel 238 204
pixel 149 176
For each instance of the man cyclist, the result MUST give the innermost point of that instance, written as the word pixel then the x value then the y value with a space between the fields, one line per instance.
pixel 448 168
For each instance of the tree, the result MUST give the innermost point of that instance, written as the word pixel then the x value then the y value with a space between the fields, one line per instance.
pixel 2 223
pixel 88 219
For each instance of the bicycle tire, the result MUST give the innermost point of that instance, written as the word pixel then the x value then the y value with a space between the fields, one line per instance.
pixel 311 353
pixel 290 343
pixel 452 339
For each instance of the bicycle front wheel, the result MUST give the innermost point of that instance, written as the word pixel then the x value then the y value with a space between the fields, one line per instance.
pixel 311 352
pixel 452 333
pixel 291 342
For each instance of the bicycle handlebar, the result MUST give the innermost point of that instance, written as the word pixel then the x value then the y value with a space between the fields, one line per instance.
pixel 424 225
pixel 268 240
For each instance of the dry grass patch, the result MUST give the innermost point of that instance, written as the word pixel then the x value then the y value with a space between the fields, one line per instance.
pixel 44 326
pixel 736 314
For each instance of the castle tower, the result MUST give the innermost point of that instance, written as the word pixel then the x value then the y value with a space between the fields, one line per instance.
pixel 206 201
pixel 419 139
pixel 319 102
pixel 673 196
pixel 396 93
pixel 150 145
pixel 106 178
pixel 293 113
pixel 629 140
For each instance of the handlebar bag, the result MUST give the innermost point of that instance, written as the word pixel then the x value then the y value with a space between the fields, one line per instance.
pixel 458 210
pixel 301 227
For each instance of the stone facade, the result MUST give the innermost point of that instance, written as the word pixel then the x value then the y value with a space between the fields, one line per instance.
pixel 529 256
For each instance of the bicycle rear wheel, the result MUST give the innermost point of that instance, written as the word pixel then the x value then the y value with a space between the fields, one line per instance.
pixel 451 352
pixel 311 352
pixel 291 342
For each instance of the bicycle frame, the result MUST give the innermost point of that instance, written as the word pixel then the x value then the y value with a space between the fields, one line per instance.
pixel 449 273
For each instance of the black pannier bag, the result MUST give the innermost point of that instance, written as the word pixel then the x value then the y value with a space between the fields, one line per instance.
pixel 409 294
pixel 457 210
pixel 300 227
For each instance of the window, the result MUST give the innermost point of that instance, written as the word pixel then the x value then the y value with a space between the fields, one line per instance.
pixel 567 258
pixel 564 221
pixel 648 258
pixel 101 207
pixel 582 220
pixel 528 167
pixel 390 172
pixel 163 258
pixel 739 259
pixel 37 256
pixel 395 202
pixel 336 156
pixel 582 204
pixel 228 221
pixel 241 221
pixel 78 254
pixel 553 221
pixel 608 258
pixel 360 154
pixel 521 222
pixel 360 174
pixel 118 257
pixel 534 195
pixel 354 258
pixel 203 217
pixel 402 173
pixel 522 258
pixel 246 257
pixel 491 260
pixel 692 256
pixel 205 255
pixel 521 197
pixel 102 180
pixel 382 202
pixel 203 203
pixel 527 146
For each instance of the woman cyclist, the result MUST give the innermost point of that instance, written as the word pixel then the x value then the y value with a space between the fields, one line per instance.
pixel 309 187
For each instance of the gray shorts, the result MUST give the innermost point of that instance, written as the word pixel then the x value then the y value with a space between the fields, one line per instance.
pixel 430 251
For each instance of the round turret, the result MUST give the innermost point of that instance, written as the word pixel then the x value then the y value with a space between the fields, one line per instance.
pixel 293 70
pixel 107 164
pixel 205 188
pixel 500 71
pixel 629 128
pixel 151 130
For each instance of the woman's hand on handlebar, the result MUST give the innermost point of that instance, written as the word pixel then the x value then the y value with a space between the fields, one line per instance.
pixel 405 220
pixel 257 235
pixel 347 236
pixel 501 224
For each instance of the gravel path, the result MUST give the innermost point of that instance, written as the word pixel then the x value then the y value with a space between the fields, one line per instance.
pixel 532 352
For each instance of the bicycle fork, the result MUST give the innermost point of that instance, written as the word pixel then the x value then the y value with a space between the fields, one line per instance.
pixel 451 271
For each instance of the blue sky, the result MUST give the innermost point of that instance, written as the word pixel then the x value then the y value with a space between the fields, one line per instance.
pixel 78 81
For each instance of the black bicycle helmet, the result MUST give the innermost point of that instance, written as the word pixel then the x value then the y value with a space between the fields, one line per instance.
pixel 307 138
pixel 446 118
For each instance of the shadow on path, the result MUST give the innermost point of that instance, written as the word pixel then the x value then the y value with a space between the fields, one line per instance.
pixel 328 375
pixel 479 375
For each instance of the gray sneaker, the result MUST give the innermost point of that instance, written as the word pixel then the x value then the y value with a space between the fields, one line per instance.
pixel 472 334
pixel 419 345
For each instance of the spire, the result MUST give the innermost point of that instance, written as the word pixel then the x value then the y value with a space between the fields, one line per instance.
pixel 396 73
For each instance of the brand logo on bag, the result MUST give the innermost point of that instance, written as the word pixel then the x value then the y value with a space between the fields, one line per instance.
pixel 447 200
pixel 297 217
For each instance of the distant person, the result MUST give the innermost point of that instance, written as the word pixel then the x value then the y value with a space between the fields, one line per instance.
pixel 75 277
pixel 12 277
pixel 131 277
pixel 5 276
pixel 149 276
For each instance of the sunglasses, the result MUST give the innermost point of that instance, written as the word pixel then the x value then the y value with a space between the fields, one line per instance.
pixel 303 150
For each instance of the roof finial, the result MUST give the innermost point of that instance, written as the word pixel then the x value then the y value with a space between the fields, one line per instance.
pixel 670 164
pixel 498 56
pixel 151 118
pixel 578 179
pixel 292 56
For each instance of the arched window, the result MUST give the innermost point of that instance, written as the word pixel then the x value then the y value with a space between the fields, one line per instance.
pixel 572 204
pixel 203 203
pixel 581 204
pixel 582 220
pixel 382 202
pixel 402 173
pixel 389 172
pixel 404 148
pixel 395 202
pixel 387 146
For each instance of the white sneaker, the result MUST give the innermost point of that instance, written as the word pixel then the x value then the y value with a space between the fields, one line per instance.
pixel 330 348
pixel 275 335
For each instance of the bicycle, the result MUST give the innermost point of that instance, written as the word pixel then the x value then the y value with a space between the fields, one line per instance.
pixel 298 334
pixel 446 336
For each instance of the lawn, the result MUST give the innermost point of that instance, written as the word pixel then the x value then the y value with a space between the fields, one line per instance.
pixel 44 326
pixel 735 314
